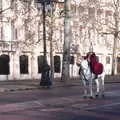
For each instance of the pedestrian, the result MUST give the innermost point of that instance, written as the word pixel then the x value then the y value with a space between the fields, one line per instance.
pixel 46 76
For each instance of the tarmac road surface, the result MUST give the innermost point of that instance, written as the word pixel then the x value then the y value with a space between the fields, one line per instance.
pixel 62 103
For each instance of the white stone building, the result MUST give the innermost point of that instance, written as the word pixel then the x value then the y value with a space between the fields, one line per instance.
pixel 21 37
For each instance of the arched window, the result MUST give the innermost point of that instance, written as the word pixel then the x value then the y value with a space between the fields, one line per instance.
pixel 57 64
pixel 23 64
pixel 4 65
pixel 40 63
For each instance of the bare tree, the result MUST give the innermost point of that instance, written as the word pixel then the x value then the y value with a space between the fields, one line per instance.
pixel 104 25
pixel 111 27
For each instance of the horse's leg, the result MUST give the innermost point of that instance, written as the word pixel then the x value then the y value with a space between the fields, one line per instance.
pixel 90 88
pixel 85 87
pixel 97 82
pixel 102 86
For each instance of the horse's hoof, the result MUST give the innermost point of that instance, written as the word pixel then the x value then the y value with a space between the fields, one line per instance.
pixel 91 97
pixel 96 95
pixel 85 97
pixel 103 96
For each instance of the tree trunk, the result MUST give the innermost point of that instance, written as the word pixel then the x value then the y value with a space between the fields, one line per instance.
pixel 51 46
pixel 115 40
pixel 114 54
pixel 66 47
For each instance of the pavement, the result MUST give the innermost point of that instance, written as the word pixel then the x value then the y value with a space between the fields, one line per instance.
pixel 14 85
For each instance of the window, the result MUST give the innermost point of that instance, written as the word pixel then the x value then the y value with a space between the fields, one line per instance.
pixel 100 15
pixel 13 30
pixel 108 16
pixel 118 64
pixel 4 65
pixel 73 8
pixel 107 59
pixel 118 59
pixel 23 64
pixel 91 13
pixel 97 58
pixel 81 10
pixel 57 64
pixel 40 63
pixel 71 59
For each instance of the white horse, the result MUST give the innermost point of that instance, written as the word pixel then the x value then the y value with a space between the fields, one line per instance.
pixel 89 78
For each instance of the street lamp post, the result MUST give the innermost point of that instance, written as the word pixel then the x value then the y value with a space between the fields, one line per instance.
pixel 45 67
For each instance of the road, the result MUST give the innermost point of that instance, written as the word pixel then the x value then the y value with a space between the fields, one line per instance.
pixel 61 103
